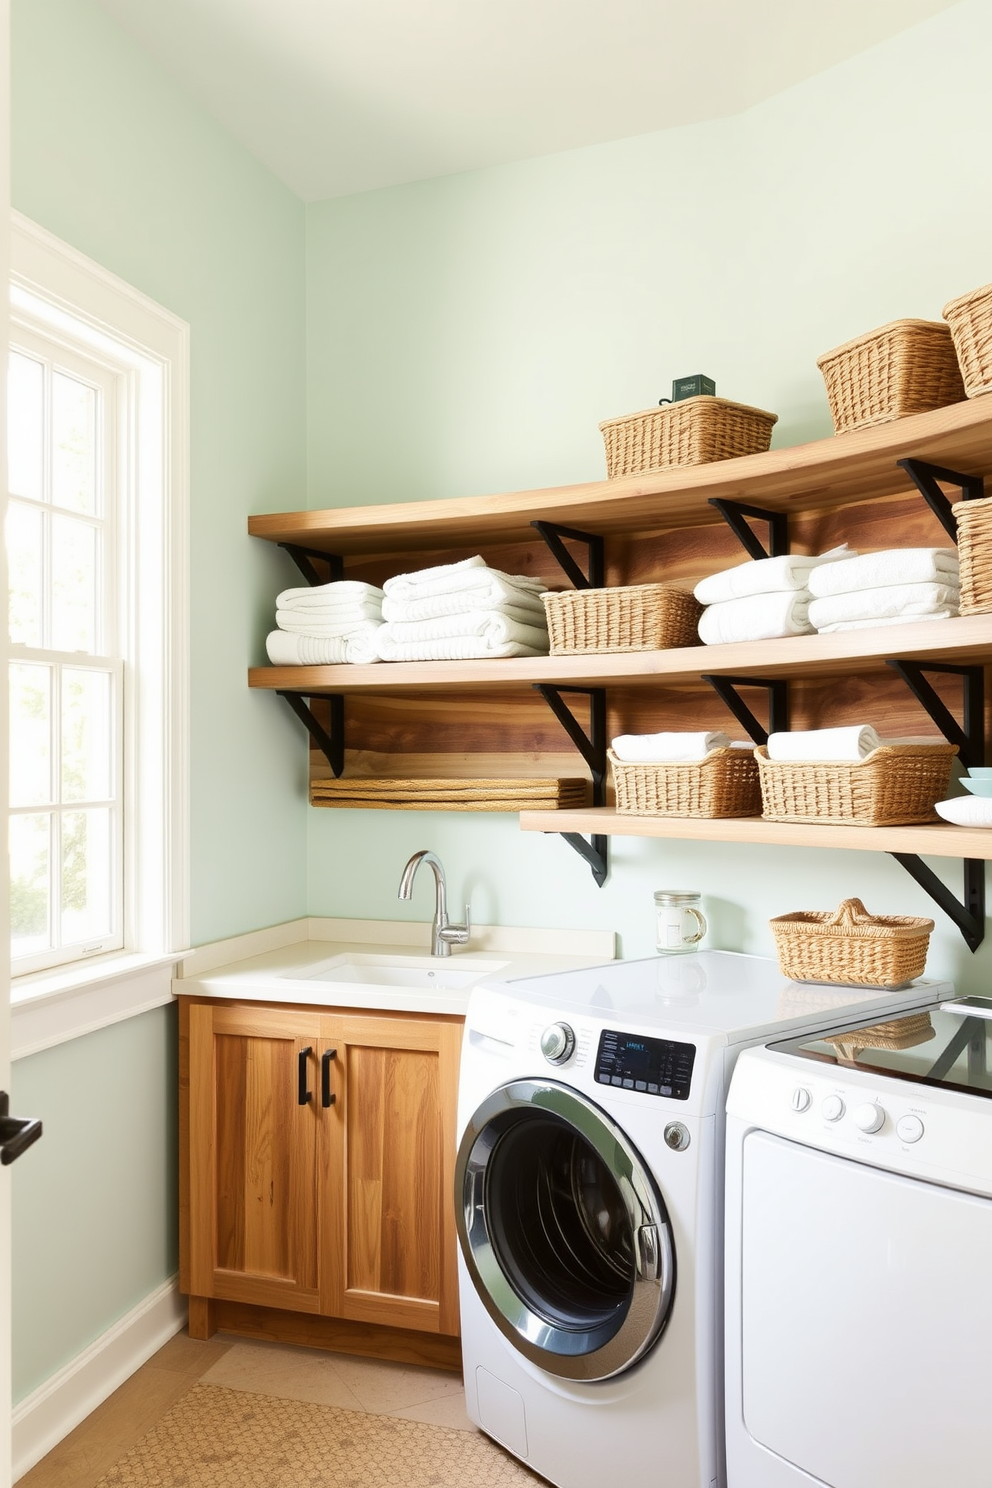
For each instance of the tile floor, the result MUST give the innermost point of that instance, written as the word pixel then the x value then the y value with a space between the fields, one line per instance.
pixel 277 1370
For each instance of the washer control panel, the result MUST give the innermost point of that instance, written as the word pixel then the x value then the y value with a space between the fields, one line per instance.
pixel 652 1066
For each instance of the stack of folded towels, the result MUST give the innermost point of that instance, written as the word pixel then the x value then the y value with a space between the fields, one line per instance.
pixel 461 611
pixel 893 587
pixel 326 624
pixel 762 599
pixel 657 749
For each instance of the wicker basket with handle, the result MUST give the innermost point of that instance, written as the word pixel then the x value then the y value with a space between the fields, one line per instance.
pixel 693 431
pixel 908 366
pixel 637 617
pixel 893 785
pixel 974 519
pixel 970 321
pixel 851 946
pixel 725 783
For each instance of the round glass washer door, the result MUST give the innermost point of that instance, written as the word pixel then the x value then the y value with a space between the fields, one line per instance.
pixel 564 1233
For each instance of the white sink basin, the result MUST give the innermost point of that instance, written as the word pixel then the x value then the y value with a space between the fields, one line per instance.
pixel 423 973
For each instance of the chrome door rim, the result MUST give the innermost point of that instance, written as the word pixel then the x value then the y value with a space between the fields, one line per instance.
pixel 593 1354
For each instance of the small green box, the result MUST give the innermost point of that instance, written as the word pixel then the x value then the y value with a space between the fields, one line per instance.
pixel 693 387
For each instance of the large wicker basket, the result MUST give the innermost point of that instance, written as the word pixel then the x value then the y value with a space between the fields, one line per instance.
pixel 639 617
pixel 894 784
pixel 974 519
pixel 694 431
pixel 851 946
pixel 725 783
pixel 970 320
pixel 908 366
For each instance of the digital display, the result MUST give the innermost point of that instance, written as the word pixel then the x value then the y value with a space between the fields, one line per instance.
pixel 659 1067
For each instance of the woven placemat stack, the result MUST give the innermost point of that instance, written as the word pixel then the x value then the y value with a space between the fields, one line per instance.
pixel 450 794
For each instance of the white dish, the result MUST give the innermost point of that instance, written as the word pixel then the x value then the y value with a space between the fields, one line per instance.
pixel 966 811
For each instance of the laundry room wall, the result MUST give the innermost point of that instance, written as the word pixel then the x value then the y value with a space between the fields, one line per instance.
pixel 467 334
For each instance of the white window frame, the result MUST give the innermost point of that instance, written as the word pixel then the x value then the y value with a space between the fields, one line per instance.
pixel 61 293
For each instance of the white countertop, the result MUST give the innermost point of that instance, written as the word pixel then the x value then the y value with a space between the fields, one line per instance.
pixel 247 969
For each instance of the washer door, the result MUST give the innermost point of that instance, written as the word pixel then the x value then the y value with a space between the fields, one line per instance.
pixel 564 1233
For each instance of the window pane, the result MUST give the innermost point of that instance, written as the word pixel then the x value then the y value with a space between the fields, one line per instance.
pixel 73 444
pixel 87 874
pixel 74 577
pixel 25 560
pixel 30 735
pixel 25 425
pixel 29 883
pixel 86 735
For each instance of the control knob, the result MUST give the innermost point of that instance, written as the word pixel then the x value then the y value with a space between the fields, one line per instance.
pixel 869 1117
pixel 557 1043
pixel 832 1108
pixel 800 1099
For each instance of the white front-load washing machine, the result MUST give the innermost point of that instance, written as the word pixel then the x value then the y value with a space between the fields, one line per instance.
pixel 588 1196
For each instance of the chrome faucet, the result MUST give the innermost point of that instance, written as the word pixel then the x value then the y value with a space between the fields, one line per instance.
pixel 443 935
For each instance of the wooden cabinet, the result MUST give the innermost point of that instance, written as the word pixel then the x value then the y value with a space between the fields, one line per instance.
pixel 317 1164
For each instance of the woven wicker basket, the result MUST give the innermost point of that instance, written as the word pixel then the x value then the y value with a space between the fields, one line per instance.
pixel 894 784
pixel 725 783
pixel 974 520
pixel 906 367
pixel 851 946
pixel 640 617
pixel 694 431
pixel 970 320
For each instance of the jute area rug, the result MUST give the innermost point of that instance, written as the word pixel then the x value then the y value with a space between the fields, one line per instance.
pixel 219 1438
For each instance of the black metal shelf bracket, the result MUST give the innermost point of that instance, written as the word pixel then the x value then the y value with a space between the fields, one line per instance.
pixel 970 739
pixel 734 512
pixel 592 747
pixel 594 577
pixel 331 745
pixel 968 915
pixel 301 556
pixel 778 703
pixel 925 478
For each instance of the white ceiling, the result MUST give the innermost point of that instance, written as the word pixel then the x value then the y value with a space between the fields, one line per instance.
pixel 340 96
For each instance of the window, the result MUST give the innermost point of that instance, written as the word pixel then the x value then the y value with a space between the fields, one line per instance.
pixel 96 550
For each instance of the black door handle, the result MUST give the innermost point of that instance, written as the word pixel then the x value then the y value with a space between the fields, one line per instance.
pixel 304 1094
pixel 17 1133
pixel 327 1096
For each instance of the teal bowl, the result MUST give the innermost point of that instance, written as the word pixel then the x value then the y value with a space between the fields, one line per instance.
pixel 981 787
pixel 980 772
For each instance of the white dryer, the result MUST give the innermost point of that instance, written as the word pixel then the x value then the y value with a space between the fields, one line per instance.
pixel 859 1250
pixel 588 1196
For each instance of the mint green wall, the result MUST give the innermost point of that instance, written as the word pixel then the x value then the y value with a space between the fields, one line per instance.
pixel 489 321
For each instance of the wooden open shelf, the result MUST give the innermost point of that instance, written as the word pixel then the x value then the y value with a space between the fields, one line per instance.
pixel 943 841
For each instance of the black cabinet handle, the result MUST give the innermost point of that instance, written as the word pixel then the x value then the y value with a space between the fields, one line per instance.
pixel 327 1096
pixel 17 1133
pixel 304 1094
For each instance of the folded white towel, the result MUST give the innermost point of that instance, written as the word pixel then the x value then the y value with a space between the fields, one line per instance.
pixel 450 648
pixel 471 577
pixel 363 646
pixel 891 566
pixel 966 811
pixel 765 576
pixel 890 620
pixel 518 604
pixel 664 748
pixel 342 592
pixel 851 743
pixel 286 648
pixel 494 626
pixel 759 618
pixel 313 623
pixel 910 600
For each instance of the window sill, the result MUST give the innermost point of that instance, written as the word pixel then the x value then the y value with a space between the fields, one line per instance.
pixel 51 1007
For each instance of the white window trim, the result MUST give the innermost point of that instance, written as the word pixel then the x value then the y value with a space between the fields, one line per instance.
pixel 52 280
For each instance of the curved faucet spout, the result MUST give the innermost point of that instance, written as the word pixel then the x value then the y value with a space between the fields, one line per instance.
pixel 443 935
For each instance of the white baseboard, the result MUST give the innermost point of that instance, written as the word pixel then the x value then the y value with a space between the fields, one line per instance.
pixel 48 1414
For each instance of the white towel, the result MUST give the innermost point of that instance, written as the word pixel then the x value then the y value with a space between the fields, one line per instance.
pixel 287 648
pixel 765 576
pixel 759 618
pixel 449 648
pixel 892 600
pixel 342 593
pixel 313 623
pixel 891 566
pixel 892 620
pixel 851 743
pixel 517 604
pixel 494 626
pixel 471 577
pixel 663 748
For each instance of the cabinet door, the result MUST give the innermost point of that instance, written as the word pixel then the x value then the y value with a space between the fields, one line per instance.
pixel 253 1156
pixel 388 1233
